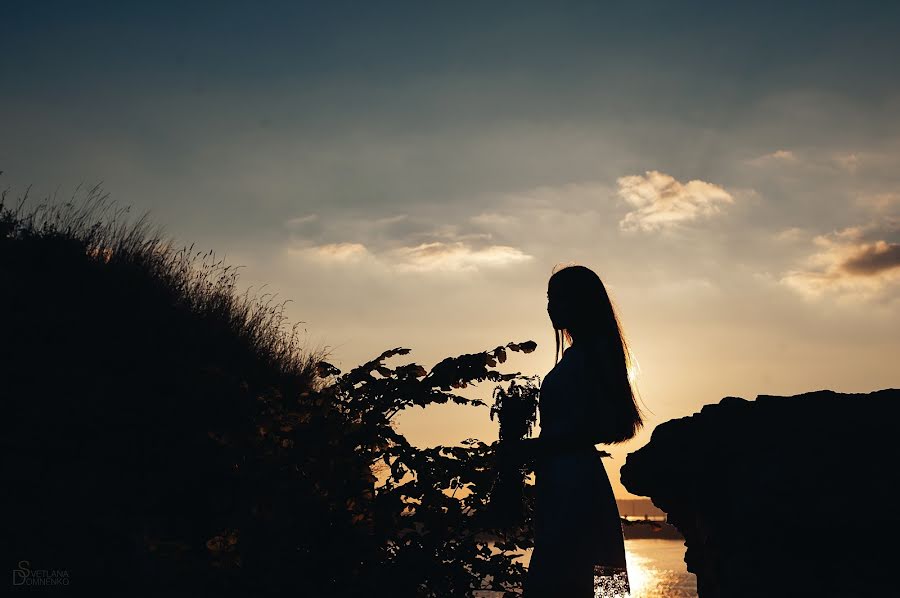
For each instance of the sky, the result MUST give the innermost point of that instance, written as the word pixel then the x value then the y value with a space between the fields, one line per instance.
pixel 408 174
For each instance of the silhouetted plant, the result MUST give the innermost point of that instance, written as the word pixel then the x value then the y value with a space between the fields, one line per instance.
pixel 434 543
pixel 516 411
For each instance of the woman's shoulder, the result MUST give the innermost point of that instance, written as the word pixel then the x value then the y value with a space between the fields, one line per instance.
pixel 570 364
pixel 564 362
pixel 574 357
pixel 567 369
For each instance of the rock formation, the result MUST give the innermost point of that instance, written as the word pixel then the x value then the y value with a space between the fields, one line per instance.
pixel 781 496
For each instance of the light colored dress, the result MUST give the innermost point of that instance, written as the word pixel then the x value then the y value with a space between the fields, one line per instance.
pixel 577 530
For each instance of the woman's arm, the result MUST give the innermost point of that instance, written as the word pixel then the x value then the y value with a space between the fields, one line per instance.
pixel 526 449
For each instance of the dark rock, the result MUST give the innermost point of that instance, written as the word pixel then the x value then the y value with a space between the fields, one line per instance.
pixel 773 496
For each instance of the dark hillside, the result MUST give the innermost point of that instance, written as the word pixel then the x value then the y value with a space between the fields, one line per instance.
pixel 136 388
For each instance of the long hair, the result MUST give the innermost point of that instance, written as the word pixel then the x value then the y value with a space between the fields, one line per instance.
pixel 584 313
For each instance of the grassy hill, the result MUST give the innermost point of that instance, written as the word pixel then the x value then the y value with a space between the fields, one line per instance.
pixel 137 389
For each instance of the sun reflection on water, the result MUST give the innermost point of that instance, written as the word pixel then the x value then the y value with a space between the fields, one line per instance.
pixel 640 573
pixel 656 569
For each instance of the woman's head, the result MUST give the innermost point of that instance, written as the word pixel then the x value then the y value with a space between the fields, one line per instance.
pixel 577 303
pixel 581 311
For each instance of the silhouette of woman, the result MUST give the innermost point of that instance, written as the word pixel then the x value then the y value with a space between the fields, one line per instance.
pixel 586 399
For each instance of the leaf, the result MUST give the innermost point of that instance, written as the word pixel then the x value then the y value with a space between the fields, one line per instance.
pixel 524 347
pixel 412 370
pixel 325 369
pixel 397 470
pixel 390 353
pixel 500 353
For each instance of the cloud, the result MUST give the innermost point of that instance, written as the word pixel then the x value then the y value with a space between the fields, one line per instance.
pixel 776 157
pixel 342 253
pixel 870 260
pixel 494 220
pixel 848 162
pixel 301 221
pixel 880 202
pixel 456 256
pixel 789 235
pixel 450 232
pixel 661 201
pixel 425 257
pixel 850 263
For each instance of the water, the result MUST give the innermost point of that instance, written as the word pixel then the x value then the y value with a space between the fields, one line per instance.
pixel 656 569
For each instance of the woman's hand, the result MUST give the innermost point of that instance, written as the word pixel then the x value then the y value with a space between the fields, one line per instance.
pixel 515 452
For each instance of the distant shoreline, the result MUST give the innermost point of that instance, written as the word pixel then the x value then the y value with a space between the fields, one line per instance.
pixel 635 530
pixel 644 530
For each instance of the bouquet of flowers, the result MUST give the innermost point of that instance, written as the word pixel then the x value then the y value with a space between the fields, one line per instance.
pixel 516 411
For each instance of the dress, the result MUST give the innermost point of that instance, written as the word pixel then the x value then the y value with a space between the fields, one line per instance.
pixel 577 530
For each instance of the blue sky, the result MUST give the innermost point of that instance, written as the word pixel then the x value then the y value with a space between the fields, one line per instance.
pixel 409 173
